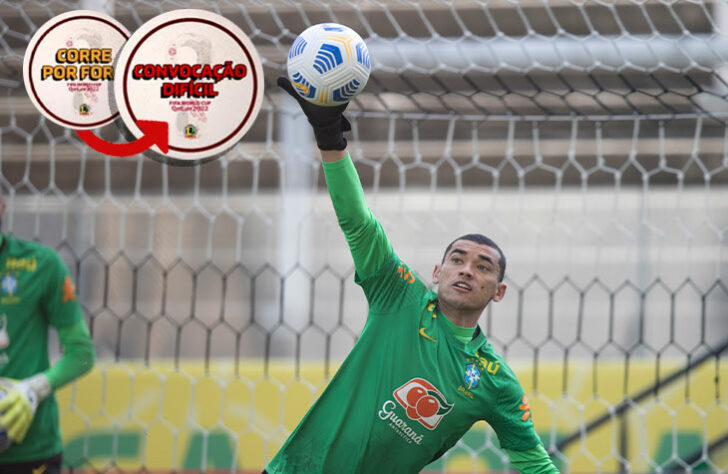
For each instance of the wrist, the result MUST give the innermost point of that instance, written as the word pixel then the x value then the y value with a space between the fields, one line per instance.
pixel 332 156
pixel 40 385
pixel 331 136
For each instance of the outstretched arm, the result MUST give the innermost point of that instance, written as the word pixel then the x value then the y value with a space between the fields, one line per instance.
pixel 367 241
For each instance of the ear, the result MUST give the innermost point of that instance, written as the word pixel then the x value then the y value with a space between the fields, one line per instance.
pixel 500 292
pixel 436 274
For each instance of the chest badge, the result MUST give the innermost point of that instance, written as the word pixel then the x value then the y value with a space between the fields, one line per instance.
pixel 472 376
pixel 9 285
pixel 9 289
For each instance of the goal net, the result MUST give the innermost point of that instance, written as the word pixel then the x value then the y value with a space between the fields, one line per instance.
pixel 587 138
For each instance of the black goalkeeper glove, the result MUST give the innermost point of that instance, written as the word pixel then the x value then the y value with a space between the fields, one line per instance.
pixel 328 123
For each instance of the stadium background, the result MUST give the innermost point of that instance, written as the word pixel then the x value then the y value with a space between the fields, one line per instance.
pixel 587 138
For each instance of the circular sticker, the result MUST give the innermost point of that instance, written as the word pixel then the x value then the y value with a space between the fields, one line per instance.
pixel 196 71
pixel 69 65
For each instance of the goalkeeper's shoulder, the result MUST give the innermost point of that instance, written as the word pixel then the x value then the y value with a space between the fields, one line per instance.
pixel 503 377
pixel 27 254
pixel 33 256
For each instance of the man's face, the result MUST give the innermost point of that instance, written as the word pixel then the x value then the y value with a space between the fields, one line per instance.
pixel 468 278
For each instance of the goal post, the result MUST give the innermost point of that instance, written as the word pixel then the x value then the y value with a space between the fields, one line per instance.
pixel 587 138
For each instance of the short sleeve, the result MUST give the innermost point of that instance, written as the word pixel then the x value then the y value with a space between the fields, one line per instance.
pixel 60 304
pixel 393 286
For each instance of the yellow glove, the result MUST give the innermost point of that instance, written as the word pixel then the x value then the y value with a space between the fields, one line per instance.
pixel 20 402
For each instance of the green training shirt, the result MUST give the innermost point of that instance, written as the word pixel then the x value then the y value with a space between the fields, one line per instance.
pixel 35 291
pixel 409 389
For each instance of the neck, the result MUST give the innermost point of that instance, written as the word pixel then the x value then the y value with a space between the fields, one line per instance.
pixel 467 318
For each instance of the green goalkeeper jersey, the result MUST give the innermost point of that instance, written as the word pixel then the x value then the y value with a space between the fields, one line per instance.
pixel 409 389
pixel 35 291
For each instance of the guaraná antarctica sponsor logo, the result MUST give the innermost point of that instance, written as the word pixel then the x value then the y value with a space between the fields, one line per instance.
pixel 68 68
pixel 422 403
pixel 196 71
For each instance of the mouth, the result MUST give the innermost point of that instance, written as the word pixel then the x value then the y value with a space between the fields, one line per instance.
pixel 462 286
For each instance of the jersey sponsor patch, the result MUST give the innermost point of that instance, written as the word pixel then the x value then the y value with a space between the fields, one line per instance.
pixel 423 402
pixel 484 364
pixel 27 264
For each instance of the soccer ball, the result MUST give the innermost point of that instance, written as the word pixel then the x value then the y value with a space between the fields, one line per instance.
pixel 328 64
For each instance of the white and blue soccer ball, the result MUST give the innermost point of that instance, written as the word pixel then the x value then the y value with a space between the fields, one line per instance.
pixel 328 64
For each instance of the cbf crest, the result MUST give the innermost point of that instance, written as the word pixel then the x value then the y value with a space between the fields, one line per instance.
pixel 9 285
pixel 9 289
pixel 472 376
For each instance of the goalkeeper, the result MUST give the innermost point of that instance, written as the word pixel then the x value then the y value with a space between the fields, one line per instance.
pixel 422 371
pixel 35 291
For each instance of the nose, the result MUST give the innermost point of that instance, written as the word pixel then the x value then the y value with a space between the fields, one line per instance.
pixel 465 271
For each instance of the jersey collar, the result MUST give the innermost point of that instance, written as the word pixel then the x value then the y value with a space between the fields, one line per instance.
pixel 478 340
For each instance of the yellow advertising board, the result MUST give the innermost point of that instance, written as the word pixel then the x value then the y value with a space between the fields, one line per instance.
pixel 188 416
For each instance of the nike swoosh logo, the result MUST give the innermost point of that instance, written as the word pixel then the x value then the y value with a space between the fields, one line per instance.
pixel 422 333
pixel 39 470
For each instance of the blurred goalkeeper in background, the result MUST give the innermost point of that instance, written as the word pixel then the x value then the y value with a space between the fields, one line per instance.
pixel 36 291
pixel 422 371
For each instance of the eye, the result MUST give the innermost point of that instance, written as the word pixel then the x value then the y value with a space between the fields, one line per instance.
pixel 456 260
pixel 483 268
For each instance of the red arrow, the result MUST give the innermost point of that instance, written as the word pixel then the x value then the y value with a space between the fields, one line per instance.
pixel 154 133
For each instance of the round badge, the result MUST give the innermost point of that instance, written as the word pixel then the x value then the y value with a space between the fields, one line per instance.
pixel 69 66
pixel 196 71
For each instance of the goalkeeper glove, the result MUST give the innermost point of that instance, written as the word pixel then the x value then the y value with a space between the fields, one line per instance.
pixel 328 122
pixel 20 402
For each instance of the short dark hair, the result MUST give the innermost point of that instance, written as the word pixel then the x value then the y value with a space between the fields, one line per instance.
pixel 481 239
